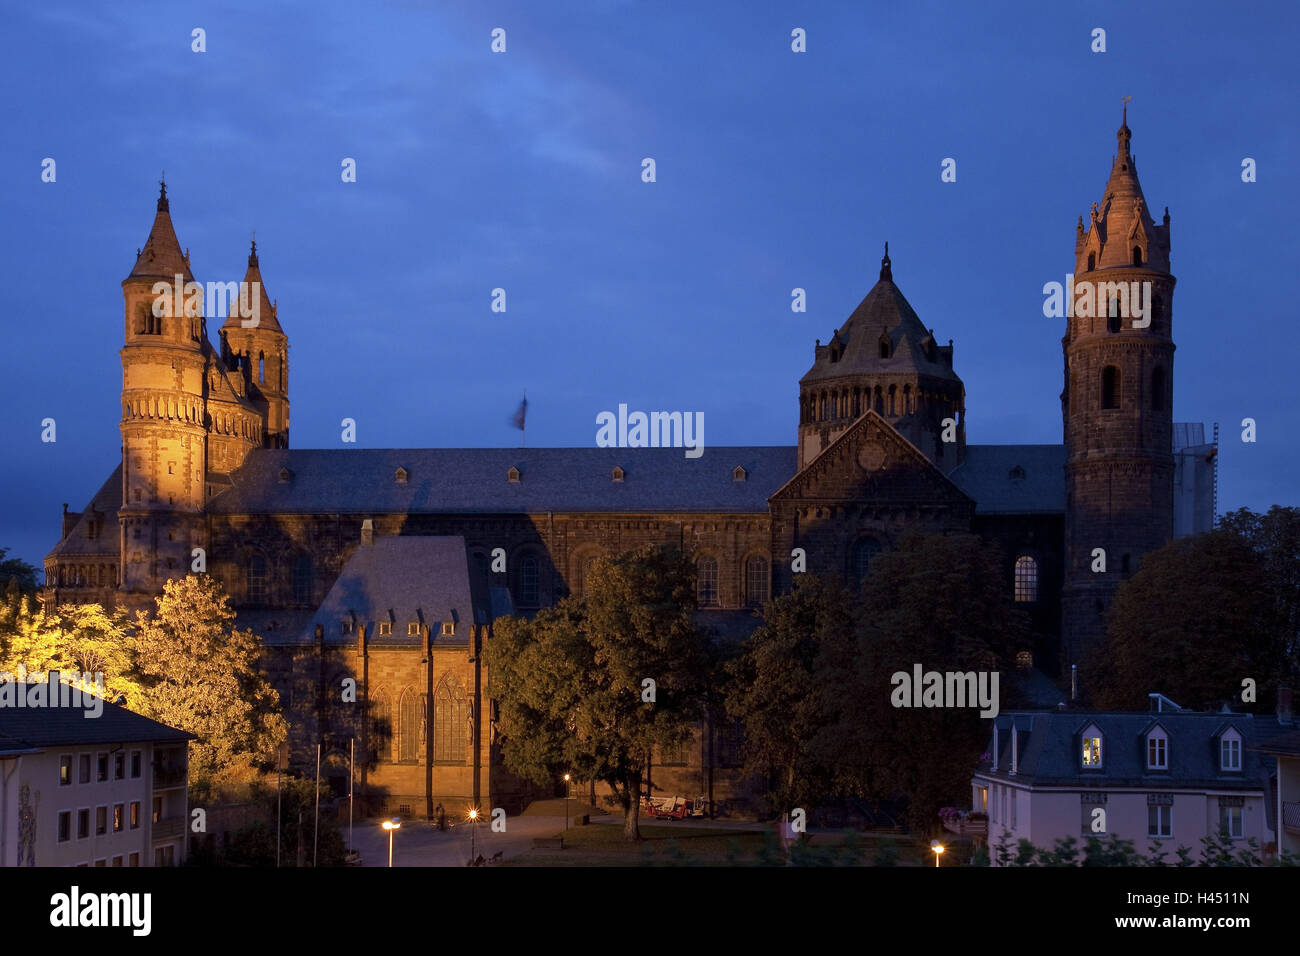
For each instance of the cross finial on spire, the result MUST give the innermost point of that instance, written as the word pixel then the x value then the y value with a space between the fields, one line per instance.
pixel 162 193
pixel 886 272
pixel 252 255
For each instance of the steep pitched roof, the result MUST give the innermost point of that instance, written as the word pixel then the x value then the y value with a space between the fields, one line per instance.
pixel 266 319
pixel 474 480
pixel 103 507
pixel 161 256
pixel 1013 479
pixel 403 579
pixel 855 347
pixel 1049 750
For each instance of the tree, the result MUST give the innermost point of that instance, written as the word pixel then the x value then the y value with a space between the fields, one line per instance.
pixel 941 601
pixel 572 683
pixel 18 571
pixel 203 677
pixel 83 642
pixel 1275 537
pixel 1191 623
pixel 775 690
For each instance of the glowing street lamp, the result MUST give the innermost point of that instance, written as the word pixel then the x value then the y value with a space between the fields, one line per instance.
pixel 390 826
pixel 473 819
pixel 938 849
pixel 566 802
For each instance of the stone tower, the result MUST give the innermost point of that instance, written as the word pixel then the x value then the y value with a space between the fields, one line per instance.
pixel 164 462
pixel 883 358
pixel 1117 401
pixel 263 351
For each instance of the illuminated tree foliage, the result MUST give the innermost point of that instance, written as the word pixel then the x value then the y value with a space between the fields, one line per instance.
pixel 571 683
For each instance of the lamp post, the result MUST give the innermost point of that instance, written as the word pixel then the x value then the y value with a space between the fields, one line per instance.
pixel 938 849
pixel 391 826
pixel 473 832
pixel 566 802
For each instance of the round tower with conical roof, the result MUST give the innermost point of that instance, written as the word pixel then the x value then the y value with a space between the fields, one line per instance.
pixel 163 430
pixel 258 347
pixel 1117 400
pixel 884 358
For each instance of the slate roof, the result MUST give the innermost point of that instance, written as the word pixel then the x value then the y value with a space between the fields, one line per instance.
pixel 45 727
pixel 986 475
pixel 1050 749
pixel 402 579
pixel 161 256
pixel 459 480
pixel 856 344
pixel 107 543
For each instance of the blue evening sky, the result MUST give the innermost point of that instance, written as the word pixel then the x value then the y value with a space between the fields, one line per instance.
pixel 522 170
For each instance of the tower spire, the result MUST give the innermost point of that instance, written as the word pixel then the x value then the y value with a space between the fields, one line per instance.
pixel 162 193
pixel 886 270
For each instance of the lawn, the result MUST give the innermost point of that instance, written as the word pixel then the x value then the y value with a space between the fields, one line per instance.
pixel 668 845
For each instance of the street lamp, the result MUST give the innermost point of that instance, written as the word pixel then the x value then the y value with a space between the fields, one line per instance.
pixel 473 832
pixel 390 826
pixel 938 849
pixel 566 802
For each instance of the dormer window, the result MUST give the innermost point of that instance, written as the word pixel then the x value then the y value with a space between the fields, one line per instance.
pixel 1090 748
pixel 1157 750
pixel 385 628
pixel 448 628
pixel 513 475
pixel 345 626
pixel 285 475
pixel 1230 750
pixel 616 474
pixel 1017 474
pixel 739 474
pixel 413 629
pixel 884 346
pixel 400 476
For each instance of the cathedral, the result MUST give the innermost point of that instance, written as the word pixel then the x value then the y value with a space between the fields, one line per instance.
pixel 389 566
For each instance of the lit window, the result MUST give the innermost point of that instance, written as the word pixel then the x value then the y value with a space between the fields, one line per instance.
pixel 1091 755
pixel 1026 579
pixel 65 771
pixel 413 629
pixel 385 628
pixel 119 816
pixel 1157 751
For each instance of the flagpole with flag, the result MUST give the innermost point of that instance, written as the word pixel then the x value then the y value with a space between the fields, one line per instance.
pixel 518 420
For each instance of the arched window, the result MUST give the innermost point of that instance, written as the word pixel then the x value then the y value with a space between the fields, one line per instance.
pixel 757 581
pixel 256 579
pixel 451 727
pixel 1092 261
pixel 302 579
pixel 1110 387
pixel 708 581
pixel 1114 321
pixel 1158 389
pixel 261 367
pixel 381 727
pixel 863 552
pixel 530 575
pixel 884 346
pixel 1137 255
pixel 893 390
pixel 1026 579
pixel 582 582
pixel 407 730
